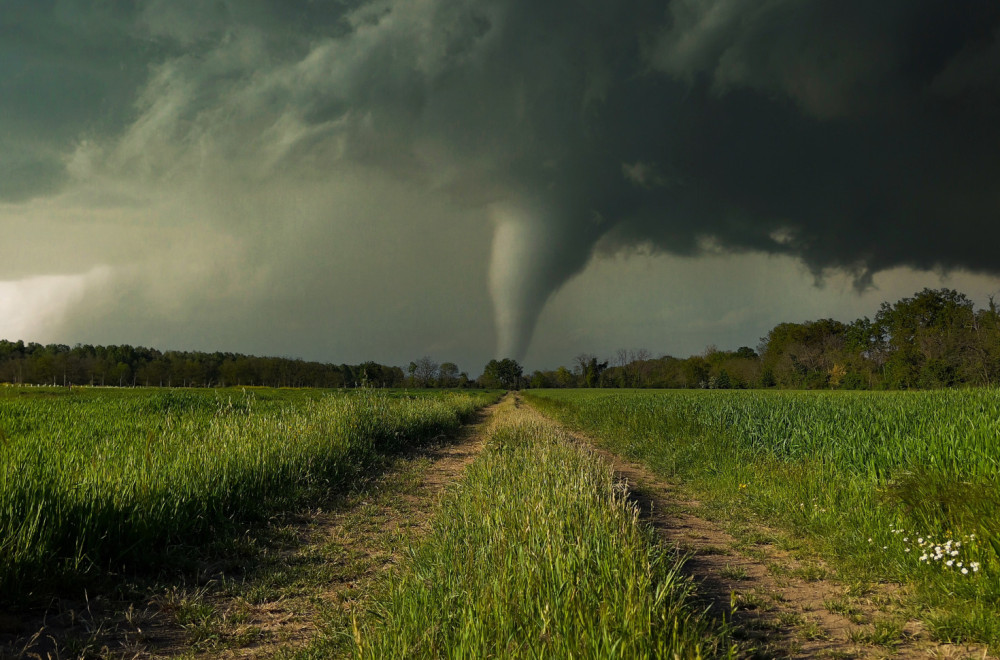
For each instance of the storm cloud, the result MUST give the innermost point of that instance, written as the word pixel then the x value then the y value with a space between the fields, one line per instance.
pixel 360 162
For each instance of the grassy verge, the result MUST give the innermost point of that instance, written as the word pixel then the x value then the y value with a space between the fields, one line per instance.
pixel 254 594
pixel 92 483
pixel 890 487
pixel 536 553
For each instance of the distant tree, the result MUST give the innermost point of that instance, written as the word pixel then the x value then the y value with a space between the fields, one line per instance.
pixel 722 382
pixel 694 371
pixel 374 374
pixel 426 372
pixel 620 363
pixel 510 374
pixel 564 378
pixel 538 380
pixel 580 364
pixel 594 374
pixel 637 369
pixel 505 373
pixel 491 375
pixel 926 338
pixel 448 375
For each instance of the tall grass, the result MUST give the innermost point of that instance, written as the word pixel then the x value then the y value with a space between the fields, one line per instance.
pixel 879 481
pixel 91 482
pixel 537 553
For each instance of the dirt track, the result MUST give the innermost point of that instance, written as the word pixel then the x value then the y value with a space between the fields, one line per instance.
pixel 313 563
pixel 781 604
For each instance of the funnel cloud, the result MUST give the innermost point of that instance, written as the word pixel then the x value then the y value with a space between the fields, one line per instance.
pixel 406 164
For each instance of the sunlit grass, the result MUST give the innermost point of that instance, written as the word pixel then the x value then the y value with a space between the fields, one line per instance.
pixel 865 476
pixel 91 482
pixel 536 553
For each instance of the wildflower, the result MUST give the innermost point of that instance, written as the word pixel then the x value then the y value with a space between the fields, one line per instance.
pixel 906 549
pixel 869 540
pixel 920 540
pixel 965 571
pixel 923 557
pixel 949 563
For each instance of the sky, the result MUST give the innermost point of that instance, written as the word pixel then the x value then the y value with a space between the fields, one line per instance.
pixel 468 179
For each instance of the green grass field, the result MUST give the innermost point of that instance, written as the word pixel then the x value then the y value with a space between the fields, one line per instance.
pixel 97 481
pixel 535 553
pixel 896 486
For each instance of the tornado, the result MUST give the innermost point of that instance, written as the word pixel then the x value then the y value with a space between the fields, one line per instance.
pixel 535 251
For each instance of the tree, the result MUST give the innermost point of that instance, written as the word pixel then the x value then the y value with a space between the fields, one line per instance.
pixel 539 380
pixel 448 375
pixel 594 374
pixel 927 338
pixel 580 365
pixel 505 373
pixel 637 369
pixel 426 372
pixel 564 378
pixel 491 375
pixel 722 382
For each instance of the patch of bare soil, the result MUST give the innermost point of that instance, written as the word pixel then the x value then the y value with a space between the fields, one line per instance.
pixel 272 594
pixel 780 603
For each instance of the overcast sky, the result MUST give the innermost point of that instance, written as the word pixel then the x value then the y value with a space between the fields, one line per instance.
pixel 469 179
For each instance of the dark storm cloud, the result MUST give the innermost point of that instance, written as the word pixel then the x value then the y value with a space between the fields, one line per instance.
pixel 863 133
pixel 67 70
pixel 860 136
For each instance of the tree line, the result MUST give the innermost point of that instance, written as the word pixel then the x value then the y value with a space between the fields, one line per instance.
pixel 936 338
pixel 58 364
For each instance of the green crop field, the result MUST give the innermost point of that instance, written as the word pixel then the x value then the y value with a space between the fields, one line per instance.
pixel 899 486
pixel 536 553
pixel 100 480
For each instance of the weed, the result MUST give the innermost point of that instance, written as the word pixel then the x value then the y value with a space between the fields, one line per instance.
pixel 734 572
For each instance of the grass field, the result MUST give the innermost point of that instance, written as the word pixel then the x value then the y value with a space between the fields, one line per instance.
pixel 97 481
pixel 891 486
pixel 536 552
